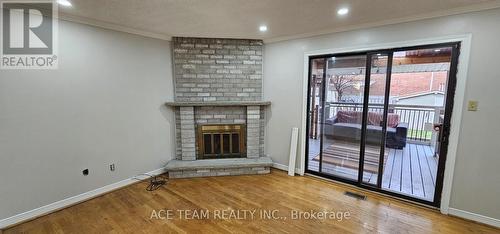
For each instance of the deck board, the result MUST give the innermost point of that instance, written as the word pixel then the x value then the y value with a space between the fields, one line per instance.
pixel 406 175
pixel 396 171
pixel 410 171
pixel 432 161
pixel 426 173
pixel 387 173
pixel 416 172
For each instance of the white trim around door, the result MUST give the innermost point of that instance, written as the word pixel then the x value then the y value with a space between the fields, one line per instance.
pixel 458 107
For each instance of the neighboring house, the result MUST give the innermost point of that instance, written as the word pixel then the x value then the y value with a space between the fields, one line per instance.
pixel 408 82
pixel 432 98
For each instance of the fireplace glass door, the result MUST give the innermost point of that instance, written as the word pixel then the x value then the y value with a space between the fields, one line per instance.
pixel 221 141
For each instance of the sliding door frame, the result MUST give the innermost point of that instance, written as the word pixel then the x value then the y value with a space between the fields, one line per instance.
pixel 449 101
pixel 381 168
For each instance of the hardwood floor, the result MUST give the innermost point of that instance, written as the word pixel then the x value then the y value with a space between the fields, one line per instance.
pixel 130 209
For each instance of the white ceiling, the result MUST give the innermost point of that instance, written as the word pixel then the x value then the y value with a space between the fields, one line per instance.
pixel 241 18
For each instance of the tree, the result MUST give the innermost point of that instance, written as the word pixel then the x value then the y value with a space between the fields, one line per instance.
pixel 341 83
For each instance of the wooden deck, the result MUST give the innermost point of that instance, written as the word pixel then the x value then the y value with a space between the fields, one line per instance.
pixel 410 171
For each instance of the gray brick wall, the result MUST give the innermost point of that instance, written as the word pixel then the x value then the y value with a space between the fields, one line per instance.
pixel 262 131
pixel 214 70
pixel 178 142
pixel 209 69
pixel 188 149
pixel 253 131
pixel 221 115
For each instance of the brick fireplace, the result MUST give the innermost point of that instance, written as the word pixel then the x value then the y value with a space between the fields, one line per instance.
pixel 218 108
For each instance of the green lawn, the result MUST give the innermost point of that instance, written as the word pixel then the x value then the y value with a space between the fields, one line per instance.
pixel 412 133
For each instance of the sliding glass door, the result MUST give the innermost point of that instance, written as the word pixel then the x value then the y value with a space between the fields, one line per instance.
pixel 374 149
pixel 380 119
pixel 340 144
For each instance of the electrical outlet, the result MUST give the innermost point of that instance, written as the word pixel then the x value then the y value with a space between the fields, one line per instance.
pixel 112 167
pixel 85 172
pixel 472 106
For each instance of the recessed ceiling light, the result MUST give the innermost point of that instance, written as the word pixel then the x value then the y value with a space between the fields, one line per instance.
pixel 343 11
pixel 64 3
pixel 263 28
pixel 437 50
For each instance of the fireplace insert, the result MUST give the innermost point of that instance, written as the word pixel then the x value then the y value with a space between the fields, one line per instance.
pixel 221 141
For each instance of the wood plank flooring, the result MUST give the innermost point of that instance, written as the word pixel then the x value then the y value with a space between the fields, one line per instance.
pixel 128 210
pixel 411 171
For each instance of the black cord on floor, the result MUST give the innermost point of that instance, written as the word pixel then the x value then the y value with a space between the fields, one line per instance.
pixel 155 182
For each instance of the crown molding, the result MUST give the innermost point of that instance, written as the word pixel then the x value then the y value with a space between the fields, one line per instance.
pixel 161 36
pixel 449 12
pixel 112 26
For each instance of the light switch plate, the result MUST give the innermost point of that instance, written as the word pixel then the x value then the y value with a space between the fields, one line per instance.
pixel 472 106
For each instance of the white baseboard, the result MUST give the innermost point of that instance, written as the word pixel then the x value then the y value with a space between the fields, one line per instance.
pixel 283 167
pixel 28 215
pixel 451 211
pixel 474 217
pixel 16 219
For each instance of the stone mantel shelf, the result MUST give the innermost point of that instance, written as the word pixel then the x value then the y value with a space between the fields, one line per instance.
pixel 220 103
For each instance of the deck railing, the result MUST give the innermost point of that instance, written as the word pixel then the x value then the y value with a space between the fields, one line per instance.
pixel 420 118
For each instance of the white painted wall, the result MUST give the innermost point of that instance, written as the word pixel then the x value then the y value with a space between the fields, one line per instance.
pixel 103 105
pixel 476 185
